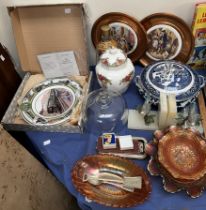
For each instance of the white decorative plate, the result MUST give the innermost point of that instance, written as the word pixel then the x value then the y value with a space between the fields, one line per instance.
pixel 50 102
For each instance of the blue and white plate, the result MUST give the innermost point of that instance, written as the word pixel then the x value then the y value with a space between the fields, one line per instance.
pixel 169 77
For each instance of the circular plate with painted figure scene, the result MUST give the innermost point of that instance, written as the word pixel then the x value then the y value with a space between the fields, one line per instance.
pixel 125 31
pixel 169 38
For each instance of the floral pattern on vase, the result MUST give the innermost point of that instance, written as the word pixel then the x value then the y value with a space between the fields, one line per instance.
pixel 103 80
pixel 128 78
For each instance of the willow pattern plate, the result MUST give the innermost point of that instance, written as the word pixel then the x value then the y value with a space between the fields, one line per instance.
pixel 169 77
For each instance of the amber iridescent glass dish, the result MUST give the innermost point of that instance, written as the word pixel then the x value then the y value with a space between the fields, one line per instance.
pixel 179 156
pixel 107 194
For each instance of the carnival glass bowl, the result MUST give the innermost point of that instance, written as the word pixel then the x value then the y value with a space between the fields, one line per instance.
pixel 106 194
pixel 179 156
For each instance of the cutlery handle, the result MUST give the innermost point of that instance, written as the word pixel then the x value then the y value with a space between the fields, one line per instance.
pixel 119 186
pixel 105 176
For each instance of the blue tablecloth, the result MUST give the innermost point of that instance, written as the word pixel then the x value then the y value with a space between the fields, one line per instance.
pixel 60 151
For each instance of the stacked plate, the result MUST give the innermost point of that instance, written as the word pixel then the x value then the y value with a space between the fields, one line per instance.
pixel 178 155
pixel 50 102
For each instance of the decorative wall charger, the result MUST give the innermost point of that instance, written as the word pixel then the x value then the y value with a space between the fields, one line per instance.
pixel 125 30
pixel 169 38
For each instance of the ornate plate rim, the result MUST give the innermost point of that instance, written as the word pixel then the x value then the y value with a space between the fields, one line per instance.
pixel 179 25
pixel 139 30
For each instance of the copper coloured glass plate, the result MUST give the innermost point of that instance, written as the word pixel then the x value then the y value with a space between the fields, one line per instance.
pixel 178 155
pixel 182 154
pixel 169 38
pixel 107 194
pixel 125 30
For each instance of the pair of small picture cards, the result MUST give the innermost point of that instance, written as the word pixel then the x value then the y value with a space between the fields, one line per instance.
pixel 109 141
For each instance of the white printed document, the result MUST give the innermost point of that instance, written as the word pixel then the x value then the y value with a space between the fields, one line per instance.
pixel 58 64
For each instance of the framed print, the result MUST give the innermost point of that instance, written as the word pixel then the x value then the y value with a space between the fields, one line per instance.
pixel 126 31
pixel 169 38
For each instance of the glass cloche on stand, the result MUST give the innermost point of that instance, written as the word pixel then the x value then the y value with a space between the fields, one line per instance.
pixel 105 111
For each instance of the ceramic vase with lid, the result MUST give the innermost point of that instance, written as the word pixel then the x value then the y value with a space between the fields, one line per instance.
pixel 114 70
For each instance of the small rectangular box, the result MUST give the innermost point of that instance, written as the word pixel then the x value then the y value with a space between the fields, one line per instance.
pixel 109 141
pixel 126 142
pixel 198 59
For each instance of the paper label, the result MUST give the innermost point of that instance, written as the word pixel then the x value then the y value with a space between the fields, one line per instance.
pixel 108 140
pixel 133 182
pixel 47 142
pixel 67 10
pixel 58 64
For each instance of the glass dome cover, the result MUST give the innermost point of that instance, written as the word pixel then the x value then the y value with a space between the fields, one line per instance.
pixel 105 111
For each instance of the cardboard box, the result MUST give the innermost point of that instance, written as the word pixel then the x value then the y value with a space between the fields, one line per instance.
pixel 47 29
pixel 198 59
